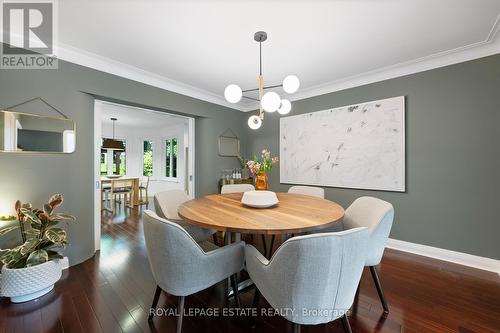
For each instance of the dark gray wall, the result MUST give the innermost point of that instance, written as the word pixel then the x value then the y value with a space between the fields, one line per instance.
pixel 453 156
pixel 34 177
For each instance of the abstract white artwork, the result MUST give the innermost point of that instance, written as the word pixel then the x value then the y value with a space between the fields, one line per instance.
pixel 359 146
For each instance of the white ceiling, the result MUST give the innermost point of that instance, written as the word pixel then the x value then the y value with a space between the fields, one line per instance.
pixel 197 47
pixel 128 116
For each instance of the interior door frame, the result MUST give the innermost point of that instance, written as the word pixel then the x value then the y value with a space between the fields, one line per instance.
pixel 189 162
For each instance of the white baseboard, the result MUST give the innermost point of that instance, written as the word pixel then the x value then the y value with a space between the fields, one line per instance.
pixel 460 258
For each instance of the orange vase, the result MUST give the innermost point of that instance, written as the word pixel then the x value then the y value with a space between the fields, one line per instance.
pixel 262 182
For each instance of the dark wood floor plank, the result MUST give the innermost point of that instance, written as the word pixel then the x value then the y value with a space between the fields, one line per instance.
pixel 87 317
pixel 50 316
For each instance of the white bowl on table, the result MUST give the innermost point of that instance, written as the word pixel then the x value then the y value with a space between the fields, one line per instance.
pixel 259 199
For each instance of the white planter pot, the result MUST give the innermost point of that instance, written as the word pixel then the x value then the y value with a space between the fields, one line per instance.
pixel 26 284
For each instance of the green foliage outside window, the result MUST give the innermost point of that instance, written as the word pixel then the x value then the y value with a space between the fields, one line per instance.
pixel 148 159
pixel 104 163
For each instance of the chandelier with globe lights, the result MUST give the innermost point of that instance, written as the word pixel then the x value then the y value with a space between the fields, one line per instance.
pixel 269 101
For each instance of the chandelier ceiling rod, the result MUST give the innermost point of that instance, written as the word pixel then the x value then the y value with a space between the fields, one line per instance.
pixel 113 121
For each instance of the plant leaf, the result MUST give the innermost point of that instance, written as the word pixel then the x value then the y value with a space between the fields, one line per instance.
pixel 56 200
pixel 17 263
pixel 37 257
pixel 54 255
pixel 56 235
pixel 8 229
pixel 61 217
pixel 31 215
pixel 27 206
pixel 33 232
pixel 29 246
pixel 5 255
pixel 15 257
pixel 47 209
pixel 18 205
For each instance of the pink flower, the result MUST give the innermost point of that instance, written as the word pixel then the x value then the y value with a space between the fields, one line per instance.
pixel 266 154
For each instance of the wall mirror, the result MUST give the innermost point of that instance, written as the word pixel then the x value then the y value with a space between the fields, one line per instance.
pixel 25 132
pixel 229 145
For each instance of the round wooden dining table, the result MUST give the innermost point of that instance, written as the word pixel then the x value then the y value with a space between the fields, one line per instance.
pixel 294 214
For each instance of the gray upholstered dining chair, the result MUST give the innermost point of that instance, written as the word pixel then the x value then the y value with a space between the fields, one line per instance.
pixel 308 190
pixel 182 267
pixel 377 215
pixel 316 275
pixel 166 206
pixel 235 188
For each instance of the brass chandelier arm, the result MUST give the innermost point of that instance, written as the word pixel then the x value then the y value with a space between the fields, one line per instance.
pixel 253 99
pixel 264 88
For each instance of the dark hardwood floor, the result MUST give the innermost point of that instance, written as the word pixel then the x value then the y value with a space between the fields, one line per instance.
pixel 112 292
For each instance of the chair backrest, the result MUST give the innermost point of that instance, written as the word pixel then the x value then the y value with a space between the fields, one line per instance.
pixel 145 181
pixel 318 272
pixel 235 188
pixel 174 256
pixel 167 203
pixel 308 190
pixel 375 214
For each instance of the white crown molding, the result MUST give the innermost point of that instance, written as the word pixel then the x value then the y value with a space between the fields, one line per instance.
pixel 460 258
pixel 100 63
pixel 489 46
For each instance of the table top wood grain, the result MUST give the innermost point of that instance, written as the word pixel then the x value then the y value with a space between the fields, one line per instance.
pixel 295 213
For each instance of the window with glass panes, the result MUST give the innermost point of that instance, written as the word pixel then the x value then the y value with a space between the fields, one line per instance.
pixel 171 153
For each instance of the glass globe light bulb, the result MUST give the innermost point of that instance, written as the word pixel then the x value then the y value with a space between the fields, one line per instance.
pixel 270 101
pixel 254 122
pixel 285 107
pixel 291 84
pixel 233 93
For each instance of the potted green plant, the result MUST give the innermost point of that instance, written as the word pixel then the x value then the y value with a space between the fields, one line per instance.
pixel 31 269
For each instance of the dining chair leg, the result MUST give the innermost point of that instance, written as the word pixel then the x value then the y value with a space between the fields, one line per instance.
pixel 234 284
pixel 345 323
pixel 155 302
pixel 255 304
pixel 380 292
pixel 181 313
pixel 296 328
pixel 264 244
pixel 214 236
pixel 256 298
pixel 271 247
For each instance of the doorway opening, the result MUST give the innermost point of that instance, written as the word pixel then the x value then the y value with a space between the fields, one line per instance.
pixel 142 150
